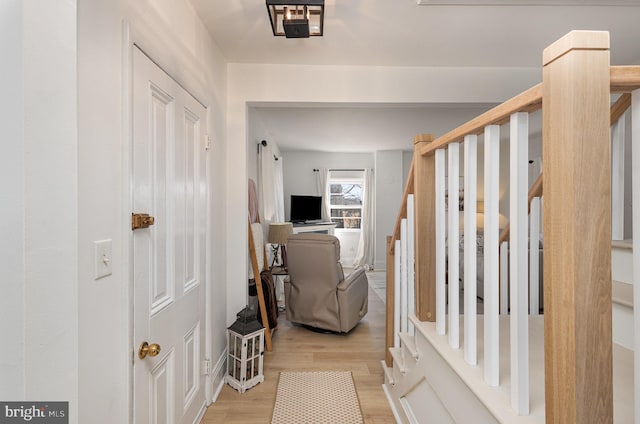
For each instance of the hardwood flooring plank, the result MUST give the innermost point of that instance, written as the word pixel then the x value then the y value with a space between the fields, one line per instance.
pixel 298 349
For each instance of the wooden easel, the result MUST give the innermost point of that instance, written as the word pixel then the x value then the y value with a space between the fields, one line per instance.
pixel 256 276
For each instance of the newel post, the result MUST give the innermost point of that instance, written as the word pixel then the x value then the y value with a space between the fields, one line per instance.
pixel 425 229
pixel 577 229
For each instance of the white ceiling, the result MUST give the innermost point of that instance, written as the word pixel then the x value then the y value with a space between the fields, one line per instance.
pixel 403 33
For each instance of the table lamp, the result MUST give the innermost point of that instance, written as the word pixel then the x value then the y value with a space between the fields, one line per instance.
pixel 279 232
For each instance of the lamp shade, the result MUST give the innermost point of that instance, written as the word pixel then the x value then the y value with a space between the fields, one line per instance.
pixel 279 232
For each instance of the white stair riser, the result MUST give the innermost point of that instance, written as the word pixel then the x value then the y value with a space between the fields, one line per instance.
pixel 446 388
pixel 622 264
pixel 622 317
pixel 409 351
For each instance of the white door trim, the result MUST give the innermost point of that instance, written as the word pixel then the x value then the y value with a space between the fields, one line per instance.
pixel 168 55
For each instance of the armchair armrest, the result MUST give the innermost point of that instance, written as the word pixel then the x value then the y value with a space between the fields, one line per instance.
pixel 353 299
pixel 353 278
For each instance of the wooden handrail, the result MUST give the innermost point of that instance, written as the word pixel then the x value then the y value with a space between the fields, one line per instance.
pixel 402 213
pixel 527 101
pixel 618 108
pixel 624 79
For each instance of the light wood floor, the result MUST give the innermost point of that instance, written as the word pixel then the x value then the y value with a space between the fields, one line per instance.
pixel 298 349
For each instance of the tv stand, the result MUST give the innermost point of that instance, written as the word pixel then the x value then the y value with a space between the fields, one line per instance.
pixel 318 227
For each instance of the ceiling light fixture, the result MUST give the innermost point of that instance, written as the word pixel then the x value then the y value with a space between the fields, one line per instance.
pixel 296 18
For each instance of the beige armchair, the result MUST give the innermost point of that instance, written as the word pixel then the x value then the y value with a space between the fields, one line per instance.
pixel 317 294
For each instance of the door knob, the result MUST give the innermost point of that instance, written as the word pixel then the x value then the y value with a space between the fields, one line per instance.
pixel 148 349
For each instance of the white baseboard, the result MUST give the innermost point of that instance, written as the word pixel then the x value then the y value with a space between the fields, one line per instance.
pixel 200 415
pixel 217 375
pixel 391 404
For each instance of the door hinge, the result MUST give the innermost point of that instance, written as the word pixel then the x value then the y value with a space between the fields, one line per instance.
pixel 207 142
pixel 141 220
pixel 206 367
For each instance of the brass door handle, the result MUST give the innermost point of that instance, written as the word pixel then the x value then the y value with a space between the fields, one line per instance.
pixel 148 349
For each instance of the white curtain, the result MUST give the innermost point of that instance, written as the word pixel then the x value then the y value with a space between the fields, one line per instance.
pixel 322 176
pixel 271 189
pixel 364 253
pixel 278 183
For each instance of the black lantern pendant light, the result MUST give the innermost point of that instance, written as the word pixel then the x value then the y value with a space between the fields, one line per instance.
pixel 296 18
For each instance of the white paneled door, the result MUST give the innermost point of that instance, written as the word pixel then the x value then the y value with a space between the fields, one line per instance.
pixel 168 256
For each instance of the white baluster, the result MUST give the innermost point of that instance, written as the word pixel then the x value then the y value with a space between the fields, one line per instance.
pixel 441 224
pixel 519 148
pixel 491 255
pixel 635 201
pixel 617 179
pixel 411 270
pixel 403 276
pixel 470 248
pixel 396 294
pixel 534 257
pixel 454 248
pixel 504 278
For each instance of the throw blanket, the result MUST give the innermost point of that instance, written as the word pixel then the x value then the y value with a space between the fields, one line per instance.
pixel 269 291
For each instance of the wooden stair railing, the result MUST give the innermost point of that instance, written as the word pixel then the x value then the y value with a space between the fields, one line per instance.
pixel 617 110
pixel 574 80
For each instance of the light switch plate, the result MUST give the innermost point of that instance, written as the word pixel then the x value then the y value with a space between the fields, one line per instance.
pixel 102 262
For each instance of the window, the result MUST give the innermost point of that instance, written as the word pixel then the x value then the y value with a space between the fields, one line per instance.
pixel 345 202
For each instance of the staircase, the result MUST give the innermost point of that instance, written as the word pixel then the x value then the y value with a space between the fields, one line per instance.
pixel 427 383
pixel 445 362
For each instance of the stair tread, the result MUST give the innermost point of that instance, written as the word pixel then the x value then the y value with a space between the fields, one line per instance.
pixel 388 372
pixel 396 354
pixel 622 244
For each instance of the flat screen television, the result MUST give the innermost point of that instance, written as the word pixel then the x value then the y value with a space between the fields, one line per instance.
pixel 306 208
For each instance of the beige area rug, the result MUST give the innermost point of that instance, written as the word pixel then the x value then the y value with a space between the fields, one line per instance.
pixel 318 397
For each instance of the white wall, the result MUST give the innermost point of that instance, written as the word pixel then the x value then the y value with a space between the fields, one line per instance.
pixel 300 179
pixel 39 213
pixel 66 336
pixel 390 182
pixel 170 32
pixel 51 178
pixel 407 158
pixel 255 134
pixel 255 84
pixel 12 199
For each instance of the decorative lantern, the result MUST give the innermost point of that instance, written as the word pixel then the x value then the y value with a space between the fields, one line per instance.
pixel 245 350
